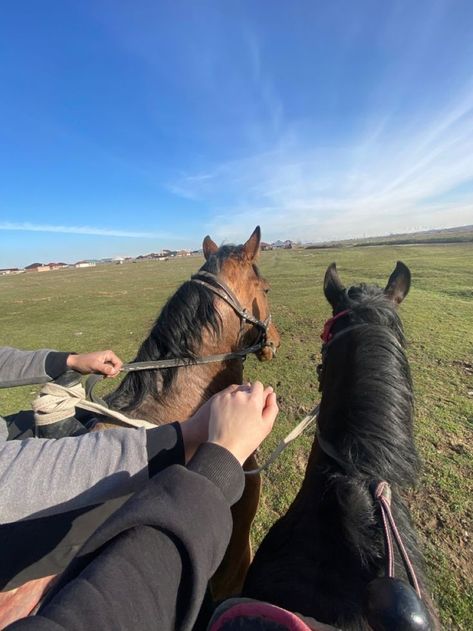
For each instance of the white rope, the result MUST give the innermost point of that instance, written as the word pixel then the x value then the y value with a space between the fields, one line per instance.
pixel 56 403
pixel 287 440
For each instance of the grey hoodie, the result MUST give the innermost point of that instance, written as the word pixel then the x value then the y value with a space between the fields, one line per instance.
pixel 48 478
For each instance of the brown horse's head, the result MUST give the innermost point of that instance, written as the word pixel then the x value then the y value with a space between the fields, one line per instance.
pixel 236 267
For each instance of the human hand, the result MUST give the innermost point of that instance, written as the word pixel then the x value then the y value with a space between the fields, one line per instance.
pixel 103 362
pixel 195 430
pixel 241 417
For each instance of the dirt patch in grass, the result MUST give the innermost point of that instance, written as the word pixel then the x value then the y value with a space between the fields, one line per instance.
pixel 464 366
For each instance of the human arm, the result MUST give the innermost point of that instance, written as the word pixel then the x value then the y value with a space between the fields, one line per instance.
pixel 21 368
pixel 148 566
pixel 157 551
pixel 70 473
pixel 88 469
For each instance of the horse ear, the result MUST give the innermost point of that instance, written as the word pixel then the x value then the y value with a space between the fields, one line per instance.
pixel 332 285
pixel 209 247
pixel 251 247
pixel 399 283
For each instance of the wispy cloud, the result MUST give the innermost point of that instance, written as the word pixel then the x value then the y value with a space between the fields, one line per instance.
pixel 86 230
pixel 402 176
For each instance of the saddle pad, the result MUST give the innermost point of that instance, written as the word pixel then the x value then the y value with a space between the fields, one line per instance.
pixel 21 601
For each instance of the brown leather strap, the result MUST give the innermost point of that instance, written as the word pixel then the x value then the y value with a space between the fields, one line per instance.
pixel 223 291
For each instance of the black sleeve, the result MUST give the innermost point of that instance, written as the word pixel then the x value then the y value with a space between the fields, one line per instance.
pixel 55 363
pixel 148 566
pixel 24 555
pixel 164 447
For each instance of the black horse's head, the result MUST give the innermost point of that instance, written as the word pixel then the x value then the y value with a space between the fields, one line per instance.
pixel 368 304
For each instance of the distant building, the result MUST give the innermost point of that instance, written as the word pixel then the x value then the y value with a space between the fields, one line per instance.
pixel 266 246
pixel 85 264
pixel 282 245
pixel 37 267
pixel 57 265
pixel 10 270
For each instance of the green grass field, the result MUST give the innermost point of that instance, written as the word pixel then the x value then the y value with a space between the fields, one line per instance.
pixel 114 306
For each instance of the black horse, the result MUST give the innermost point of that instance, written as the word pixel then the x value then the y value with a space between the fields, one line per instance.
pixel 319 558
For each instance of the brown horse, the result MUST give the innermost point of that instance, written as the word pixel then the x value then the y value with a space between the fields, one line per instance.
pixel 198 322
pixel 195 322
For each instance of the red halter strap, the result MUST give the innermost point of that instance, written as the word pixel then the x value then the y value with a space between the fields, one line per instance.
pixel 327 334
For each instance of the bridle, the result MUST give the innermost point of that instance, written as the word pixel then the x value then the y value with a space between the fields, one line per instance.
pixel 328 338
pixel 379 489
pixel 212 283
pixel 217 286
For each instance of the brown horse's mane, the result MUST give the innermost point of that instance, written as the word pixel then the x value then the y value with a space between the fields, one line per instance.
pixel 177 332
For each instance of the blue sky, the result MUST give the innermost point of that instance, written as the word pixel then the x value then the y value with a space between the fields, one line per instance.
pixel 130 126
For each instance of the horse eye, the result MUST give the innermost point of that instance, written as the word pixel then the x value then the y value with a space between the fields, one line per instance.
pixel 266 290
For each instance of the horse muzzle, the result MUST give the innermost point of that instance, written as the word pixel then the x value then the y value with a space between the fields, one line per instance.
pixel 268 352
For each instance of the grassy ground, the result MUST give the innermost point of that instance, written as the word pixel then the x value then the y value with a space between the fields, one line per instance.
pixel 113 306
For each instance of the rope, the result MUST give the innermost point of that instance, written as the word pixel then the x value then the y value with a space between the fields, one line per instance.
pixel 287 440
pixel 382 494
pixel 56 403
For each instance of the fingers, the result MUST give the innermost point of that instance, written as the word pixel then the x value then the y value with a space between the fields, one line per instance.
pixel 246 387
pixel 103 362
pixel 106 369
pixel 271 409
pixel 112 364
pixel 257 390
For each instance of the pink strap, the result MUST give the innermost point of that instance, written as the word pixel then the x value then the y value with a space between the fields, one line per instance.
pixel 327 334
pixel 382 494
pixel 260 610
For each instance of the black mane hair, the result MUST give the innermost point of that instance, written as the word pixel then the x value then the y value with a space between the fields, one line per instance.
pixel 373 433
pixel 333 527
pixel 177 332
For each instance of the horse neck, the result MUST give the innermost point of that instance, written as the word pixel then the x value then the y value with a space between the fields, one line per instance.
pixel 367 407
pixel 370 434
pixel 191 386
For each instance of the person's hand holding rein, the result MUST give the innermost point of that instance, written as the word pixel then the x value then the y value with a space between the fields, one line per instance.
pixel 103 362
pixel 195 430
pixel 241 417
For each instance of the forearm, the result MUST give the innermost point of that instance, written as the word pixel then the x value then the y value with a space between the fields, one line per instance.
pixel 71 473
pixel 158 552
pixel 21 368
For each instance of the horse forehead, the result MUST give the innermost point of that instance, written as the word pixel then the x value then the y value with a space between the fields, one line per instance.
pixel 363 290
pixel 235 273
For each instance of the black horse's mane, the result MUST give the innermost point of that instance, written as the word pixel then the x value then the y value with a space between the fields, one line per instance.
pixel 373 432
pixel 177 332
pixel 319 557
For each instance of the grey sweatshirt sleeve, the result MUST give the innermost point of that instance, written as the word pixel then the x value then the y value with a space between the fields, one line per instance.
pixel 21 368
pixel 42 477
